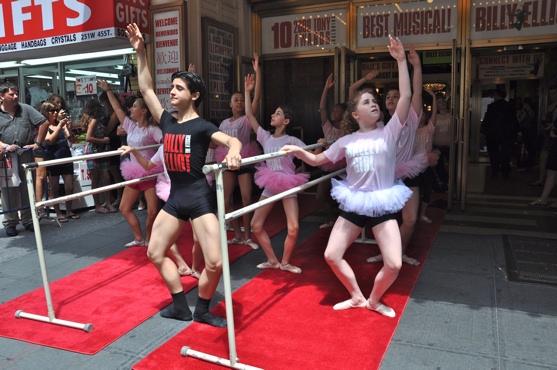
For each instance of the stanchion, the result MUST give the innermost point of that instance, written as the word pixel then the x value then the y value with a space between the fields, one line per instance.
pixel 51 318
pixel 222 217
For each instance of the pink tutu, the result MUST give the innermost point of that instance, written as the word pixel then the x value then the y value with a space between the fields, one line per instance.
pixel 162 188
pixel 371 203
pixel 131 171
pixel 250 150
pixel 433 158
pixel 413 167
pixel 278 182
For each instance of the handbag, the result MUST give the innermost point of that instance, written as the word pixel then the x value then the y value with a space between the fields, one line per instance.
pixel 9 171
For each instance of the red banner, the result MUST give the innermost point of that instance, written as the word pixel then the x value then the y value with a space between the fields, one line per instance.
pixel 27 25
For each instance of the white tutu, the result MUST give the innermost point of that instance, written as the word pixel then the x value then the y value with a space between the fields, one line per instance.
pixel 278 182
pixel 371 203
pixel 413 167
pixel 132 171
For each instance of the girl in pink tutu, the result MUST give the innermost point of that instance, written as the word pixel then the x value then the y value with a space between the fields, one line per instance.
pixel 370 191
pixel 409 161
pixel 141 130
pixel 275 176
pixel 238 126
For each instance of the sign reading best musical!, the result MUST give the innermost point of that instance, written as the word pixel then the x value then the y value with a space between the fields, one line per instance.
pixel 412 22
pixel 304 32
pixel 26 24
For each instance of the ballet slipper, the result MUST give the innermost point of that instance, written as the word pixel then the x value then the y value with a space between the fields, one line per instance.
pixel 268 265
pixel 381 308
pixel 410 261
pixel 195 274
pixel 184 271
pixel 374 259
pixel 291 268
pixel 348 304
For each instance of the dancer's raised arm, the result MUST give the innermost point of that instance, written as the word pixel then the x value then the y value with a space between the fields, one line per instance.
pixel 249 83
pixel 143 75
pixel 397 51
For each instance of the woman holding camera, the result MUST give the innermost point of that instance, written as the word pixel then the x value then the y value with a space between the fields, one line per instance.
pixel 56 146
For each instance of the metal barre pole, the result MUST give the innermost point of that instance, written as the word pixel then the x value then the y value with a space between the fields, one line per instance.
pixel 53 162
pixel 208 168
pixel 94 191
pixel 51 318
pixel 274 198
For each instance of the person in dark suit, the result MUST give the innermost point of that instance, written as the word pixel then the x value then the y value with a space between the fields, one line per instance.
pixel 500 126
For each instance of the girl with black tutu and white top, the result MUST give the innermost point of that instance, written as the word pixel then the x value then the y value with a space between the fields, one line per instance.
pixel 369 191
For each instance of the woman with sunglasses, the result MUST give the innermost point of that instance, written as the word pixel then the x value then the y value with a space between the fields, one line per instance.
pixel 56 146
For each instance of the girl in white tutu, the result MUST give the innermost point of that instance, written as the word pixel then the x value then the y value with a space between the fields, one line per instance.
pixel 141 130
pixel 238 126
pixel 275 176
pixel 410 162
pixel 370 191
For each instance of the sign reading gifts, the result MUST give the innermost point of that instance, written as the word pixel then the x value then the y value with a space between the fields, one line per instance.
pixel 513 19
pixel 412 22
pixel 33 24
pixel 304 32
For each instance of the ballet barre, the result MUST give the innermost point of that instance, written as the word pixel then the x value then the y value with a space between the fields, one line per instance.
pixel 218 168
pixel 51 318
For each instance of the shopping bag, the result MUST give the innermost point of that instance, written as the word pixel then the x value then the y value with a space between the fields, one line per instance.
pixel 9 171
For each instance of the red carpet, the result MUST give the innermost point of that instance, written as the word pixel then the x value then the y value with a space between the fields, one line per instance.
pixel 286 321
pixel 106 295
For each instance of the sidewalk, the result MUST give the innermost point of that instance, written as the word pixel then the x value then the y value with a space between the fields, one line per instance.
pixel 463 313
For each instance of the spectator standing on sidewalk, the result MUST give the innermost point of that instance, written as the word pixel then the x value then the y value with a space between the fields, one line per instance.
pixel 17 136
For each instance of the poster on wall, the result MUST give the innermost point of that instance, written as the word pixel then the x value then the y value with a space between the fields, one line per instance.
pixel 167 46
pixel 511 66
pixel 411 22
pixel 219 53
pixel 304 32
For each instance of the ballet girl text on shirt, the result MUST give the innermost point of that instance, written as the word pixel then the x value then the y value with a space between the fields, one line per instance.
pixel 362 155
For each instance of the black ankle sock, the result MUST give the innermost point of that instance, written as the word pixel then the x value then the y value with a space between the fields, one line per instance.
pixel 180 302
pixel 202 314
pixel 179 310
pixel 202 306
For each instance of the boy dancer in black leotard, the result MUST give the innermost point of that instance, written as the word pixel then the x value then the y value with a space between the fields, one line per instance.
pixel 186 140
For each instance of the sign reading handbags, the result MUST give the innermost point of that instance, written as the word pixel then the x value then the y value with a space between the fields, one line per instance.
pixel 67 22
pixel 9 171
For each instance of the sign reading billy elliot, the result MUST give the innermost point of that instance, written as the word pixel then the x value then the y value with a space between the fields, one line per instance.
pixel 26 24
pixel 166 29
pixel 304 32
pixel 513 19
pixel 412 23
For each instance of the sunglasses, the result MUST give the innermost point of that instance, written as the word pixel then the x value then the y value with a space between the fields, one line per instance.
pixel 53 110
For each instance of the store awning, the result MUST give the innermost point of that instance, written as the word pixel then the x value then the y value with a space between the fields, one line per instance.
pixel 56 28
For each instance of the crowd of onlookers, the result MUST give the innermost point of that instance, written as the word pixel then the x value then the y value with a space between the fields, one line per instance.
pixel 48 132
